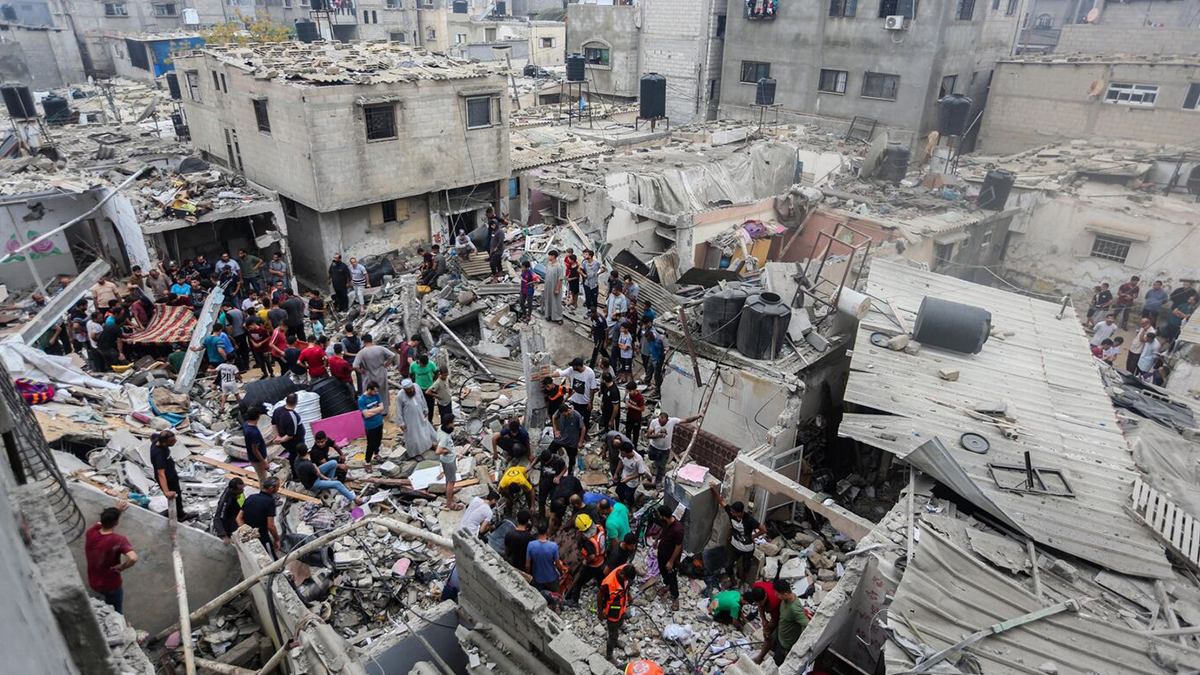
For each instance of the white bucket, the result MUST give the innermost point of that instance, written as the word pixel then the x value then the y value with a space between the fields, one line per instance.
pixel 853 303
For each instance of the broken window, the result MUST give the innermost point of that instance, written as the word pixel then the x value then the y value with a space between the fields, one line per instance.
pixel 833 81
pixel 843 7
pixel 595 55
pixel 753 71
pixel 233 149
pixel 1043 22
pixel 431 34
pixel 479 112
pixel 904 8
pixel 1192 100
pixel 947 88
pixel 389 211
pixel 1031 479
pixel 880 85
pixel 393 4
pixel 261 116
pixel 289 207
pixel 489 35
pixel 115 9
pixel 1131 94
pixel 288 4
pixel 1107 247
pixel 165 10
pixel 381 121
pixel 965 11
pixel 192 78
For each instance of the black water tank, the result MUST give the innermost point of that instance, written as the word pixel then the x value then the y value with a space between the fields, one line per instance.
pixel 764 94
pixel 460 6
pixel 953 113
pixel 653 100
pixel 336 398
pixel 18 101
pixel 762 330
pixel 893 163
pixel 181 127
pixel 271 390
pixel 996 186
pixel 57 110
pixel 576 72
pixel 722 312
pixel 952 325
pixel 173 86
pixel 306 30
pixel 529 70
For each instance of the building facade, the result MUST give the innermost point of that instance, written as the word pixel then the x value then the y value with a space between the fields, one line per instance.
pixel 1103 27
pixel 43 56
pixel 366 161
pixel 889 61
pixel 681 40
pixel 1048 99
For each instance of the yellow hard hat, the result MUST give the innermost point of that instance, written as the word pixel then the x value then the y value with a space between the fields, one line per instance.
pixel 583 522
pixel 643 667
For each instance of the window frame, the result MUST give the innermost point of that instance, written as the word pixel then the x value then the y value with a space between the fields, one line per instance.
pixel 547 43
pixel 1048 25
pixel 154 9
pixel 846 9
pixel 1012 7
pixel 1109 247
pixel 489 101
pixel 124 10
pixel 758 72
pixel 1131 89
pixel 368 111
pixel 460 38
pixel 191 79
pixel 867 79
pixel 898 8
pixel 964 10
pixel 403 37
pixel 843 75
pixel 943 91
pixel 1193 93
pixel 602 49
pixel 389 205
pixel 721 26
pixel 393 4
pixel 262 115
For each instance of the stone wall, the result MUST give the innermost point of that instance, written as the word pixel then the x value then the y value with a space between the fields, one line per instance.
pixel 1116 39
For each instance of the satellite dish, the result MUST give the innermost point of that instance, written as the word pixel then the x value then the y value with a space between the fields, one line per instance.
pixel 1092 15
pixel 150 108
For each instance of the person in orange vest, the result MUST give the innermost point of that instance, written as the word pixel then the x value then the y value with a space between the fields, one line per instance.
pixel 592 548
pixel 643 667
pixel 612 602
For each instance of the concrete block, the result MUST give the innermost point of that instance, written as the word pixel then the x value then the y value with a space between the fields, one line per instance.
pixel 948 374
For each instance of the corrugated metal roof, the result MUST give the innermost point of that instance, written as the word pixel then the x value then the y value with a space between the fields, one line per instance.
pixel 1038 365
pixel 946 594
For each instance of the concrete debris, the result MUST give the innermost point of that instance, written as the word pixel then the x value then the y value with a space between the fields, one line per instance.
pixel 948 374
pixel 123 640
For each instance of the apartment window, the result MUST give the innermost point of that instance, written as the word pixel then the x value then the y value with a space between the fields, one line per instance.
pixel 431 34
pixel 514 188
pixel 289 207
pixel 948 83
pixel 879 85
pixel 833 81
pixel 261 116
pixel 224 86
pixel 753 71
pixel 165 10
pixel 381 121
pixel 721 25
pixel 1012 8
pixel 397 37
pixel 1192 100
pixel 460 38
pixel 843 7
pixel 905 8
pixel 1131 94
pixel 389 210
pixel 1107 247
pixel 547 43
pixel 1043 22
pixel 595 55
pixel 374 16
pixel 995 5
pixel 233 149
pixel 288 4
pixel 115 9
pixel 479 112
pixel 192 78
pixel 393 4
pixel 965 11
pixel 489 35
pixel 216 82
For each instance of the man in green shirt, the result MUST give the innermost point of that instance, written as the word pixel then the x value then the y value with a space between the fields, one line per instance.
pixel 250 267
pixel 616 520
pixel 423 371
pixel 726 607
pixel 175 358
pixel 792 621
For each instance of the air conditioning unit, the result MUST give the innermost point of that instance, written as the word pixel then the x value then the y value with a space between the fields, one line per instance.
pixel 894 22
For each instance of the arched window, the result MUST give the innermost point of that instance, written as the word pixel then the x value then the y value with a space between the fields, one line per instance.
pixel 1044 22
pixel 596 53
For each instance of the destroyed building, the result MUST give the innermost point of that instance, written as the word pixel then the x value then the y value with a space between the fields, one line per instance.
pixel 353 139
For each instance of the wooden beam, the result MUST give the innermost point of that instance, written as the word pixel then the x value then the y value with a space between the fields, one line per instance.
pixel 759 475
pixel 250 478
pixel 185 623
pixel 687 336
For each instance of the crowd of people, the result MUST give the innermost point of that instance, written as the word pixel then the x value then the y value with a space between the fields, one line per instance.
pixel 1163 313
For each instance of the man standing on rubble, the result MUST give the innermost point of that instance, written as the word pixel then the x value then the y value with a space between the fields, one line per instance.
pixel 229 505
pixel 256 447
pixel 744 528
pixel 339 281
pixel 670 547
pixel 592 546
pixel 569 432
pixel 289 430
pixel 104 549
pixel 613 601
pixel 423 372
pixel 258 511
pixel 552 291
pixel 164 470
pixel 359 280
pixel 581 381
pixel 419 434
pixel 372 364
pixel 496 227
pixel 615 517
pixel 591 270
pixel 660 433
pixel 250 267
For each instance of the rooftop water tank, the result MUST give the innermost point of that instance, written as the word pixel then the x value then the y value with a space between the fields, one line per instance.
pixel 722 313
pixel 996 186
pixel 763 326
pixel 893 163
pixel 953 111
pixel 575 68
pixel 19 101
pixel 652 103
pixel 306 30
pixel 952 325
pixel 764 93
pixel 56 109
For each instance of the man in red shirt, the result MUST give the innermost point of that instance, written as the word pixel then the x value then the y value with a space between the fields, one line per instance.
pixel 104 549
pixel 768 609
pixel 635 405
pixel 313 358
pixel 277 346
pixel 340 368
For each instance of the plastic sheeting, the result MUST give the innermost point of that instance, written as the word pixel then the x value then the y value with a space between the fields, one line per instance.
pixel 22 360
pixel 762 171
pixel 1170 461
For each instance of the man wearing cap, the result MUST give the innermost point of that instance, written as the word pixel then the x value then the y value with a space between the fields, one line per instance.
pixel 412 416
pixel 592 547
pixel 581 381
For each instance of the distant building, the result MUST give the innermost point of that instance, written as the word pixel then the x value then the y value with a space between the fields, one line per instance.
pixel 1048 99
pixel 367 160
pixel 147 56
pixel 43 56
pixel 887 63
pixel 1102 27
pixel 679 39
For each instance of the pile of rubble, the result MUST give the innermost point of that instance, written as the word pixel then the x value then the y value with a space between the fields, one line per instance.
pixel 123 640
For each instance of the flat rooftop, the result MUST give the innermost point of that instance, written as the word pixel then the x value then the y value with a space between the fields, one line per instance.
pixel 324 63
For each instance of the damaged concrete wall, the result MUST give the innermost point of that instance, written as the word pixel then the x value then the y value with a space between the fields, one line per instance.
pixel 364 231
pixel 22 222
pixel 211 566
pixel 617 29
pixel 493 593
pixel 43 58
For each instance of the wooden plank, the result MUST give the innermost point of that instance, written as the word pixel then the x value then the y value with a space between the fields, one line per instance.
pixel 1193 551
pixel 1189 529
pixel 1139 493
pixel 1188 560
pixel 249 477
pixel 1168 520
pixel 1177 534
